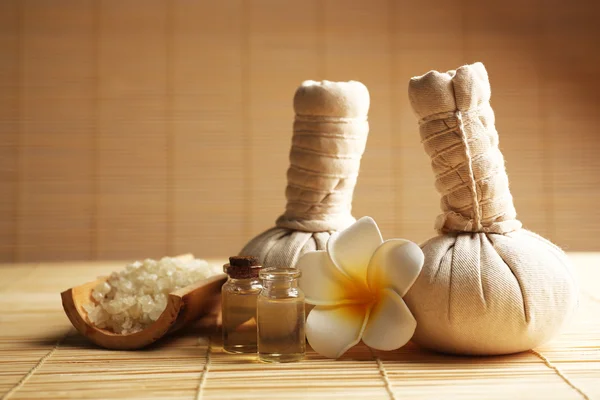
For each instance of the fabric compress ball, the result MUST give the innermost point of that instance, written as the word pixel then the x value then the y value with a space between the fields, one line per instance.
pixel 330 135
pixel 488 286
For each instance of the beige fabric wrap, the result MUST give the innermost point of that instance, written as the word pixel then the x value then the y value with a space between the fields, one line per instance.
pixel 330 134
pixel 487 286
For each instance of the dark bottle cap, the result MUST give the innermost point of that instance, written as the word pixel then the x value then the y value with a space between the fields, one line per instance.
pixel 242 267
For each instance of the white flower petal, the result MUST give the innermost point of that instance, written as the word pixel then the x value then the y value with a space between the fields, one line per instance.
pixel 395 264
pixel 351 249
pixel 391 324
pixel 331 331
pixel 322 283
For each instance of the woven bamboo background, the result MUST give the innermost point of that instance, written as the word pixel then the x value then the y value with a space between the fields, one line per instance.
pixel 139 128
pixel 41 357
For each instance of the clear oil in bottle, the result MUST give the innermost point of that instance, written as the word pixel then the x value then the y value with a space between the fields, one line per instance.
pixel 239 302
pixel 280 312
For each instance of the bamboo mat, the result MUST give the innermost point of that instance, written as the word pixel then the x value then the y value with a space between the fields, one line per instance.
pixel 41 357
pixel 141 128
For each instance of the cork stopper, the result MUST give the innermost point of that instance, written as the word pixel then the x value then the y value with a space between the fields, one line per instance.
pixel 242 267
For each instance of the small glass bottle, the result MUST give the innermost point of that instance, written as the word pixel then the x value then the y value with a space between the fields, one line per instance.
pixel 280 314
pixel 239 296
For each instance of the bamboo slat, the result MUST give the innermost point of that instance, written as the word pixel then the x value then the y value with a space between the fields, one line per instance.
pixel 130 131
pixel 42 357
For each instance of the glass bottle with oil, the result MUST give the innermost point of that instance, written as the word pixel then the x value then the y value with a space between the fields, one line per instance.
pixel 239 295
pixel 280 315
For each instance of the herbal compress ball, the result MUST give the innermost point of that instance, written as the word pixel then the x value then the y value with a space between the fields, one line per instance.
pixel 330 135
pixel 487 286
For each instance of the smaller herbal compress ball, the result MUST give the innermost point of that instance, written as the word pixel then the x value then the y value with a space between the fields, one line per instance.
pixel 487 286
pixel 330 135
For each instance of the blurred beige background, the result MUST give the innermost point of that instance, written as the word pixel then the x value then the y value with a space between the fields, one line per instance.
pixel 141 128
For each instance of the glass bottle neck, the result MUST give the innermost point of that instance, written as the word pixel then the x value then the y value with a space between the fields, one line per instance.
pixel 280 284
pixel 280 288
pixel 243 283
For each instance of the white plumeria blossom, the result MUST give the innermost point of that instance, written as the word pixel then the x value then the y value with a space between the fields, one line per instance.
pixel 357 287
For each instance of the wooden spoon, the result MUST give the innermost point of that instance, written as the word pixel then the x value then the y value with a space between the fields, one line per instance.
pixel 183 306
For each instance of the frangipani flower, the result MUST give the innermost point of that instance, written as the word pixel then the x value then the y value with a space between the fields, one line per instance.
pixel 357 286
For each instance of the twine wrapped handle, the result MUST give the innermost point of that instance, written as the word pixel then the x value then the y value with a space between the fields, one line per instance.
pixel 456 124
pixel 330 135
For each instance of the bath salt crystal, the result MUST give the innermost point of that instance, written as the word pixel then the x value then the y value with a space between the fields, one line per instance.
pixel 132 299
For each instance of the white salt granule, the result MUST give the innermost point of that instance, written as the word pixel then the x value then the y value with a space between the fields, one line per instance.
pixel 132 299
